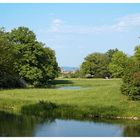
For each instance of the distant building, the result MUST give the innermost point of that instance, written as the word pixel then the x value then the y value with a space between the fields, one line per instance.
pixel 67 71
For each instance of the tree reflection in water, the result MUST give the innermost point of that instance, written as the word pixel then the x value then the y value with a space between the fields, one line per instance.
pixel 18 126
pixel 26 126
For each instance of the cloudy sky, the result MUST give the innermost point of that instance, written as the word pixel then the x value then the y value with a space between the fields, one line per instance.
pixel 76 30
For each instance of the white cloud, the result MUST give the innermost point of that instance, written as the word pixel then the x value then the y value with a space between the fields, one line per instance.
pixel 127 22
pixel 56 25
pixel 122 24
pixel 57 21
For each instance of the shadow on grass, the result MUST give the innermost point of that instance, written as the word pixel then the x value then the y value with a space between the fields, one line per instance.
pixel 51 84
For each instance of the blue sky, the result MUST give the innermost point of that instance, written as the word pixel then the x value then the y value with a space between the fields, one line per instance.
pixel 76 30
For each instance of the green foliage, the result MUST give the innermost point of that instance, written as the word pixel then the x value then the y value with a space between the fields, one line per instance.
pixel 35 64
pixel 95 65
pixel 131 79
pixel 118 64
pixel 137 53
pixel 8 77
pixel 22 35
pixel 41 108
pixel 51 67
pixel 111 52
pixel 25 60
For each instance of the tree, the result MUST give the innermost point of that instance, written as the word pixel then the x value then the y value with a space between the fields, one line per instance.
pixel 35 64
pixel 8 77
pixel 111 52
pixel 137 53
pixel 131 79
pixel 50 68
pixel 118 64
pixel 95 64
pixel 22 35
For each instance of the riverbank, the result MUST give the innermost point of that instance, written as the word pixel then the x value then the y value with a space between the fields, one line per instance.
pixel 101 98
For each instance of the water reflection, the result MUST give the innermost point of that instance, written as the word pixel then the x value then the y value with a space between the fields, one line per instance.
pixel 132 130
pixel 15 125
pixel 74 128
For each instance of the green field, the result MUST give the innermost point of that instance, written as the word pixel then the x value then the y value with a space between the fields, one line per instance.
pixel 99 96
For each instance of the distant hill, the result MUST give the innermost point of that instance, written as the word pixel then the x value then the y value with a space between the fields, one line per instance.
pixel 67 68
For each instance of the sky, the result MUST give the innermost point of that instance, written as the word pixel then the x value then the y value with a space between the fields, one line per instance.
pixel 76 30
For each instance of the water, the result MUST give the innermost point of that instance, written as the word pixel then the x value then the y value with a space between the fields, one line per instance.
pixel 73 128
pixel 70 88
pixel 12 125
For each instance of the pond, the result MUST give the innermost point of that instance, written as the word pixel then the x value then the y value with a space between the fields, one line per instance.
pixel 21 126
pixel 70 88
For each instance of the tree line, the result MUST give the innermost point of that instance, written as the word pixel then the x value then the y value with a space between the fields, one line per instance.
pixel 115 64
pixel 100 65
pixel 24 61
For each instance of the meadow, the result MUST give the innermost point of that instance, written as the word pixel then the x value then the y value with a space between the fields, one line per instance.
pixel 98 97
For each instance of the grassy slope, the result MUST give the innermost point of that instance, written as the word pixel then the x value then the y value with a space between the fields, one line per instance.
pixel 101 96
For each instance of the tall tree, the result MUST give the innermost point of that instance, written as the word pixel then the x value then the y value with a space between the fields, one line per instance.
pixel 118 64
pixel 8 77
pixel 95 64
pixel 35 64
pixel 110 53
pixel 131 79
pixel 131 76
pixel 137 53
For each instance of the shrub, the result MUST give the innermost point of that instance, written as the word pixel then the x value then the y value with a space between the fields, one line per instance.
pixel 131 81
pixel 40 108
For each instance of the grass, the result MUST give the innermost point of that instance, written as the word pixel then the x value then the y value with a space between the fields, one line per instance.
pixel 102 97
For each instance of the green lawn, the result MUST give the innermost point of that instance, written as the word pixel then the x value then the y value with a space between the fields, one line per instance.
pixel 99 96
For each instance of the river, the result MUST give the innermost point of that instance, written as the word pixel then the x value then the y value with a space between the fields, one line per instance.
pixel 21 126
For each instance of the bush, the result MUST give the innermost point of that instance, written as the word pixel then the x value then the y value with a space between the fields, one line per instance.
pixel 131 81
pixel 40 108
pixel 136 77
pixel 125 89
